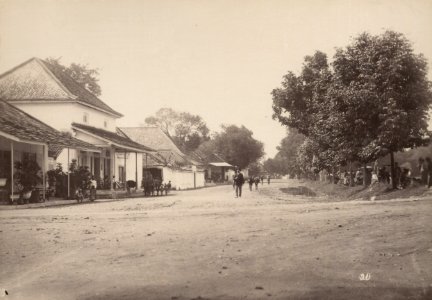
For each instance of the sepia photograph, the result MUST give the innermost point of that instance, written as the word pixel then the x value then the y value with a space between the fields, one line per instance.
pixel 215 149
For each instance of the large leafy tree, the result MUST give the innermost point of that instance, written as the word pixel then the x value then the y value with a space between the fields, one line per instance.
pixel 374 100
pixel 302 103
pixel 383 95
pixel 84 75
pixel 236 145
pixel 188 131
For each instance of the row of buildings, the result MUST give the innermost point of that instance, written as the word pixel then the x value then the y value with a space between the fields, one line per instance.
pixel 45 115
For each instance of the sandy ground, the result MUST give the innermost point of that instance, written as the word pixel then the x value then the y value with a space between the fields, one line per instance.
pixel 206 244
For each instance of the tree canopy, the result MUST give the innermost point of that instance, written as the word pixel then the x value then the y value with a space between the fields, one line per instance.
pixel 188 131
pixel 285 160
pixel 236 145
pixel 373 99
pixel 84 75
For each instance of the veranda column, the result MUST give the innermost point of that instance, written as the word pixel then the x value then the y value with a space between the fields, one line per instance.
pixel 44 168
pixel 12 170
pixel 136 171
pixel 112 155
pixel 124 172
pixel 68 173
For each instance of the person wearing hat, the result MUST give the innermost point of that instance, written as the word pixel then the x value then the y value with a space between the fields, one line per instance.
pixel 239 181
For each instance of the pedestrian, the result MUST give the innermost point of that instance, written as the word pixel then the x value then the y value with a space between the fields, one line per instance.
pixel 268 179
pixel 93 186
pixel 239 181
pixel 429 168
pixel 423 168
pixel 257 181
pixel 398 172
pixel 262 179
pixel 251 182
pixel 167 187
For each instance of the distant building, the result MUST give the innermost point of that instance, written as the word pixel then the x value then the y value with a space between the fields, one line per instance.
pixel 216 168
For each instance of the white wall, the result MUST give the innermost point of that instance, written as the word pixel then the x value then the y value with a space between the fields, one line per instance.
pixel 131 166
pixel 185 179
pixel 61 115
pixel 63 158
pixel 182 179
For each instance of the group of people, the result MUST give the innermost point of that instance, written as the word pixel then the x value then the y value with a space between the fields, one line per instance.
pixel 239 180
pixel 403 175
pixel 155 186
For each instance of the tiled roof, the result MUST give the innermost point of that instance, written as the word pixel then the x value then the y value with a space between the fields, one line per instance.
pixel 212 158
pixel 155 138
pixel 55 150
pixel 112 137
pixel 36 79
pixel 153 160
pixel 152 137
pixel 15 122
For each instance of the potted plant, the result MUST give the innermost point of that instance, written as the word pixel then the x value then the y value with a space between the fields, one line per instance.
pixel 27 178
pixel 57 181
pixel 80 177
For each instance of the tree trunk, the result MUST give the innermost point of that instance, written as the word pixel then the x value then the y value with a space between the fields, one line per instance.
pixel 351 174
pixel 364 175
pixel 392 171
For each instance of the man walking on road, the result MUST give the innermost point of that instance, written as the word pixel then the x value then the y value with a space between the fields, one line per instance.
pixel 239 181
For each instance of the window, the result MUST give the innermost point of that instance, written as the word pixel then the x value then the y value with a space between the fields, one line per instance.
pixel 85 118
pixel 5 164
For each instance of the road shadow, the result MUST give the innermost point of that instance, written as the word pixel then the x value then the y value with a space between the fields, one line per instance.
pixel 336 293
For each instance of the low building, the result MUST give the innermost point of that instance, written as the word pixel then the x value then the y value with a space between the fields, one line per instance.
pixel 217 170
pixel 169 163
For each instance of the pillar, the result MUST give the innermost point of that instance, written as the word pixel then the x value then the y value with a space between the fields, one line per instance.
pixel 12 169
pixel 68 173
pixel 125 172
pixel 136 171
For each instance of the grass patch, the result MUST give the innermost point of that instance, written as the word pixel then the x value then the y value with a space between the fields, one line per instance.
pixel 299 190
pixel 379 191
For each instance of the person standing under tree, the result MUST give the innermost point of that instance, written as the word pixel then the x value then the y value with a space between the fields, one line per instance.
pixel 268 179
pixel 257 181
pixel 251 182
pixel 429 169
pixel 239 181
pixel 423 168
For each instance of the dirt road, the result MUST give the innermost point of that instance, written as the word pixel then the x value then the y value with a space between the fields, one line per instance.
pixel 206 244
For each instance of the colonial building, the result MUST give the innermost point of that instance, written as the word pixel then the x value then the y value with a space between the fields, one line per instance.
pixel 47 93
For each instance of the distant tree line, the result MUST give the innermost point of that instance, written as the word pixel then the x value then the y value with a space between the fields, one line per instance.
pixel 190 133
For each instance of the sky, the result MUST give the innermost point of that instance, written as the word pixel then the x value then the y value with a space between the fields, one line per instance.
pixel 217 59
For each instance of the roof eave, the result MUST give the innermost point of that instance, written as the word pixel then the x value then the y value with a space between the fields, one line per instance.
pixel 114 143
